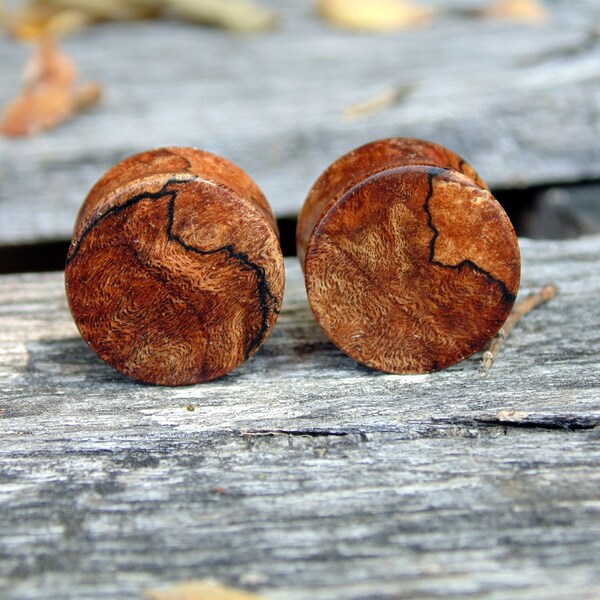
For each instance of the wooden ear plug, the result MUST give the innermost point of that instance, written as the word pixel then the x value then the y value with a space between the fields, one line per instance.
pixel 175 274
pixel 411 265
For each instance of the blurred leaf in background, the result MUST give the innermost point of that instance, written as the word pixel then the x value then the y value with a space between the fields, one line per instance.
pixel 200 590
pixel 50 93
pixel 37 18
pixel 525 11
pixel 374 15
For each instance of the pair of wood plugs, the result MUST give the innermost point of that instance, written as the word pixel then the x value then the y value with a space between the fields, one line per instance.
pixel 175 274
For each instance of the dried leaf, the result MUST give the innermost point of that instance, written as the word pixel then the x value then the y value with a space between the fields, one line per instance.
pixel 86 96
pixel 28 22
pixel 237 15
pixel 34 112
pixel 380 102
pixel 33 22
pixel 526 11
pixel 374 15
pixel 200 590
pixel 65 22
pixel 49 67
pixel 106 10
pixel 49 95
pixel 58 17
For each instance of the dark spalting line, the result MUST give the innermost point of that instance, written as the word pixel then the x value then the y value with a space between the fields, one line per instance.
pixel 264 291
pixel 118 209
pixel 507 295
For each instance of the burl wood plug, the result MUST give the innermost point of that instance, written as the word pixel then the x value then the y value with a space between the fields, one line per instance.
pixel 175 274
pixel 411 265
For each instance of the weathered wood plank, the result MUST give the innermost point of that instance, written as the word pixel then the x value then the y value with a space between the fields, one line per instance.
pixel 548 368
pixel 519 102
pixel 455 513
pixel 302 474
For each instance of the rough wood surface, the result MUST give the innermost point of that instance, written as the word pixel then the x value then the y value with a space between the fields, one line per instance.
pixel 175 274
pixel 411 264
pixel 302 474
pixel 520 102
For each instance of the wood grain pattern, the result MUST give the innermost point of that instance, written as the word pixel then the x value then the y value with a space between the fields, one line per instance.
pixel 175 274
pixel 411 265
pixel 355 166
pixel 302 474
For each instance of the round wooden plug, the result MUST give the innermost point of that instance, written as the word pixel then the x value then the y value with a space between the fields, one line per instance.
pixel 411 265
pixel 175 273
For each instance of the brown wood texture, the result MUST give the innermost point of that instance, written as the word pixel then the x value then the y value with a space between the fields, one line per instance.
pixel 175 274
pixel 411 265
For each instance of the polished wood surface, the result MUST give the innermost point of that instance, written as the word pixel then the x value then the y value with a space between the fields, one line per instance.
pixel 411 265
pixel 175 274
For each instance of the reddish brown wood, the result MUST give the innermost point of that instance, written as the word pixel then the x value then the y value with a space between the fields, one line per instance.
pixel 411 265
pixel 175 274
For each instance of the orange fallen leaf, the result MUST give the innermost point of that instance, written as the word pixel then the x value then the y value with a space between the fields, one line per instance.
pixel 86 96
pixel 36 21
pixel 526 11
pixel 49 95
pixel 48 67
pixel 200 590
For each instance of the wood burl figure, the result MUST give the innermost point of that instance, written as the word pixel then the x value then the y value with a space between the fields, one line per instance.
pixel 411 265
pixel 175 273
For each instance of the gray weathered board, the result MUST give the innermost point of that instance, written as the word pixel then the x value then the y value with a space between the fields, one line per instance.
pixel 521 102
pixel 302 474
